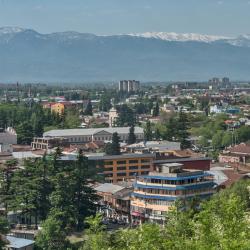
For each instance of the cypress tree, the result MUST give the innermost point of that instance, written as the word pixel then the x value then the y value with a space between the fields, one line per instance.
pixel 148 132
pixel 131 136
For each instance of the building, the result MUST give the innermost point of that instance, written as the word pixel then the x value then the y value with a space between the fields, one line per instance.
pixel 117 168
pixel 115 196
pixel 48 143
pixel 14 243
pixel 155 194
pixel 225 80
pixel 239 154
pixel 93 134
pixel 198 163
pixel 113 116
pixel 8 136
pixel 57 108
pixel 129 85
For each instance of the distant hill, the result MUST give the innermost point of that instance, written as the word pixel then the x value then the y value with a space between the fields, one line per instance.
pixel 26 55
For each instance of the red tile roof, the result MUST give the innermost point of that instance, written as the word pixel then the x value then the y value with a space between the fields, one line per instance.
pixel 241 149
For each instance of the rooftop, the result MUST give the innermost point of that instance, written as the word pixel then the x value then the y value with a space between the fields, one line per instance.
pixel 18 243
pixel 89 131
pixel 109 188
pixel 122 156
pixel 240 149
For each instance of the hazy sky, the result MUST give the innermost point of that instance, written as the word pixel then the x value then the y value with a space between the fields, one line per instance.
pixel 218 17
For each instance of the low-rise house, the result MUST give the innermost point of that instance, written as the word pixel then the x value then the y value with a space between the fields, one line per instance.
pixel 115 196
pixel 57 108
pixel 15 243
pixel 239 154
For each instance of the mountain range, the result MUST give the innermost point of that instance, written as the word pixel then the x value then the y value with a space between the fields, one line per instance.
pixel 28 56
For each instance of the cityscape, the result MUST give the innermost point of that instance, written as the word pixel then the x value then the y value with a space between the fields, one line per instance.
pixel 136 141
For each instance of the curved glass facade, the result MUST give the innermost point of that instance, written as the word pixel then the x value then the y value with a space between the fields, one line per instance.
pixel 156 193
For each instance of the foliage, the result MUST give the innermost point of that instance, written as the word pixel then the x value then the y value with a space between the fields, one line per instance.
pixel 97 238
pixel 182 130
pixel 126 116
pixel 49 187
pixel 219 223
pixel 105 103
pixel 52 236
pixel 89 109
pixel 156 109
pixel 4 229
pixel 113 148
pixel 131 136
pixel 148 134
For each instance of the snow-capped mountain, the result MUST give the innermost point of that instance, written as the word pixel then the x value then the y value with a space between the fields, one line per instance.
pixel 177 37
pixel 10 30
pixel 241 41
pixel 26 55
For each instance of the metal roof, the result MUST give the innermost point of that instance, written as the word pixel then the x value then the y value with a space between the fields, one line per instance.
pixel 183 160
pixel 108 188
pixel 18 243
pixel 122 156
pixel 89 131
pixel 160 177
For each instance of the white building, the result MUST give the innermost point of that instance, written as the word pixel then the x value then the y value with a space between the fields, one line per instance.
pixel 113 116
pixel 215 109
pixel 129 85
pixel 8 136
pixel 94 134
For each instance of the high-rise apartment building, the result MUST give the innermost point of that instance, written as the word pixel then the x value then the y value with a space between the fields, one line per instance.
pixel 129 85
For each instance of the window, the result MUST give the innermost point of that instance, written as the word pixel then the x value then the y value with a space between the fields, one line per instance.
pixel 121 162
pixel 145 160
pixel 108 163
pixel 133 161
pixel 108 169
pixel 144 173
pixel 108 175
pixel 121 174
pixel 121 168
pixel 133 167
pixel 145 167
pixel 132 174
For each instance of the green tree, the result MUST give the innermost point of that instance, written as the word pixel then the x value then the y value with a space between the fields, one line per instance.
pixel 105 104
pixel 182 130
pixel 131 136
pixel 89 109
pixel 156 110
pixel 116 144
pixel 85 197
pixel 4 229
pixel 227 139
pixel 148 135
pixel 126 116
pixel 24 133
pixel 52 236
pixel 157 134
pixel 171 129
pixel 114 147
pixel 203 142
pixel 217 140
pixel 97 237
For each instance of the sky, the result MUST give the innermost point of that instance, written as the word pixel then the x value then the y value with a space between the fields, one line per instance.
pixel 105 17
